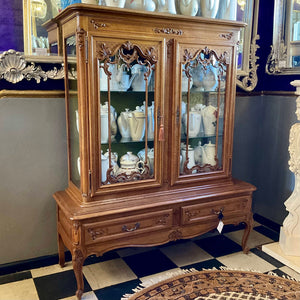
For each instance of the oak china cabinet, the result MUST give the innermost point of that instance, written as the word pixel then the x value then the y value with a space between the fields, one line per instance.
pixel 150 116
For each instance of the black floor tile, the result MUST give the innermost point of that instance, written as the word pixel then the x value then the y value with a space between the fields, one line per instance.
pixel 148 263
pixel 269 223
pixel 267 258
pixel 207 264
pixel 230 227
pixel 96 259
pixel 115 292
pixel 218 245
pixel 58 285
pixel 15 277
pixel 267 232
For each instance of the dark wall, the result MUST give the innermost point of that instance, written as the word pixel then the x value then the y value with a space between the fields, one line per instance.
pixel 260 150
pixel 262 123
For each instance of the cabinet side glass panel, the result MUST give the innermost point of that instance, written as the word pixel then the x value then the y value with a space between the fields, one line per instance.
pixel 127 116
pixel 73 115
pixel 202 112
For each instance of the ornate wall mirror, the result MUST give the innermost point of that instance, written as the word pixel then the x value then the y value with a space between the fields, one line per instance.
pixel 247 67
pixel 35 13
pixel 36 48
pixel 285 51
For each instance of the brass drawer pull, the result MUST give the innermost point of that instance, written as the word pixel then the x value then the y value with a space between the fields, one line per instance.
pixel 219 213
pixel 137 226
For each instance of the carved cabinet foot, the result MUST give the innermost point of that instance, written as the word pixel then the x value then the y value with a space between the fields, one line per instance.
pixel 249 225
pixel 78 260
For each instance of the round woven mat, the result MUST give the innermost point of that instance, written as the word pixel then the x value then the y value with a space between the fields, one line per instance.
pixel 221 285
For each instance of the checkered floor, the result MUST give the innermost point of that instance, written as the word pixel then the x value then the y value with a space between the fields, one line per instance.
pixel 118 272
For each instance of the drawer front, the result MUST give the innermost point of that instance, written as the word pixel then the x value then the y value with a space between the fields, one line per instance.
pixel 128 226
pixel 209 211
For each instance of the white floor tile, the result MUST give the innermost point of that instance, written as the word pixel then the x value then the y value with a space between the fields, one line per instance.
pixel 19 290
pixel 255 238
pixel 246 262
pixel 51 270
pixel 185 253
pixel 107 273
pixel 85 296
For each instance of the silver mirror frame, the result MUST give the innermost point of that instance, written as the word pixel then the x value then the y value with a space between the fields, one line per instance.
pixel 247 77
pixel 278 59
pixel 14 66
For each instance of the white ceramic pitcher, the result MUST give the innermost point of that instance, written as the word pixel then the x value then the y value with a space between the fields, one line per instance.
pixel 123 123
pixel 115 3
pixel 209 8
pixel 208 154
pixel 227 9
pixel 189 7
pixel 151 123
pixel 191 156
pixel 137 124
pixel 209 115
pixel 194 122
pixel 138 81
pixel 166 6
pixel 104 166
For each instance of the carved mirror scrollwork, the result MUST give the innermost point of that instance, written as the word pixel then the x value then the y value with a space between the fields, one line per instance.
pixel 18 65
pixel 247 66
pixel 284 57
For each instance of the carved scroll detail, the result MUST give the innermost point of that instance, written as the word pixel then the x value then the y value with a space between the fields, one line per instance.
pixel 175 235
pixel 14 68
pixel 249 82
pixel 227 36
pixel 98 25
pixel 275 59
pixel 168 31
pixel 162 220
pixel 80 38
pixel 95 233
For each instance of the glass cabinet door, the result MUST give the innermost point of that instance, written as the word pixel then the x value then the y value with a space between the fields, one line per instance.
pixel 201 111
pixel 128 112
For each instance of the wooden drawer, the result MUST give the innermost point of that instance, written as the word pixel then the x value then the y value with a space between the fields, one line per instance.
pixel 127 227
pixel 209 211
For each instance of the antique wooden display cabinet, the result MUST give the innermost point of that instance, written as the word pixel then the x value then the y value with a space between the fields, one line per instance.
pixel 150 116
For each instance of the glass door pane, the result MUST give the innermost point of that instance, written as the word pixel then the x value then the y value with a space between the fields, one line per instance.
pixel 127 115
pixel 202 112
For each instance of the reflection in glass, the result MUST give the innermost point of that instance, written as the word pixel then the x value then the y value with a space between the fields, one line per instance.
pixel 73 114
pixel 127 114
pixel 36 13
pixel 244 14
pixel 202 111
pixel 295 34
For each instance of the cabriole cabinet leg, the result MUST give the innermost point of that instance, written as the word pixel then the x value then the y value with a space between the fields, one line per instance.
pixel 78 260
pixel 249 225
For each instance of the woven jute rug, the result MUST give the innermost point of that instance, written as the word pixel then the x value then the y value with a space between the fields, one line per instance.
pixel 220 285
